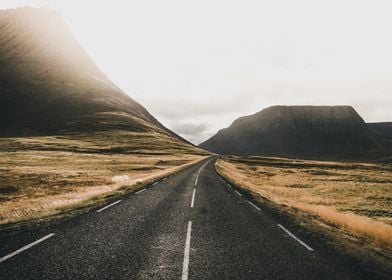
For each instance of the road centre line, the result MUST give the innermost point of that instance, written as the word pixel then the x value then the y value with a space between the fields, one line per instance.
pixel 193 198
pixel 24 248
pixel 185 266
pixel 296 238
pixel 198 173
pixel 197 178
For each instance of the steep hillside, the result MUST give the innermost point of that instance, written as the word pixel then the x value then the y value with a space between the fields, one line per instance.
pixel 49 85
pixel 298 131
pixel 69 138
pixel 383 128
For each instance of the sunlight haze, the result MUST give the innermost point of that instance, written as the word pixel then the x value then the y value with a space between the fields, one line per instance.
pixel 198 65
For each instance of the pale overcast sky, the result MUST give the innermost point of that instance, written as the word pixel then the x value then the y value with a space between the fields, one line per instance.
pixel 198 65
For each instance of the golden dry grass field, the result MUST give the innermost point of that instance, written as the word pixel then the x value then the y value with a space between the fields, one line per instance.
pixel 46 176
pixel 355 198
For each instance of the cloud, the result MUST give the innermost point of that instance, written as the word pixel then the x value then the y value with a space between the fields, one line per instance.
pixel 175 108
pixel 218 109
pixel 196 133
pixel 190 128
pixel 199 76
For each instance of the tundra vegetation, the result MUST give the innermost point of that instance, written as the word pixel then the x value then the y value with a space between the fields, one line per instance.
pixel 47 176
pixel 350 202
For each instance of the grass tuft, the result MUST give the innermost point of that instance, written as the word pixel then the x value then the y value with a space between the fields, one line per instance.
pixel 353 197
pixel 44 176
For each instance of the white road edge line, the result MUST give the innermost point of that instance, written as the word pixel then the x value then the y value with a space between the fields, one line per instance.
pixel 24 248
pixel 114 203
pixel 155 183
pixel 238 193
pixel 254 205
pixel 185 266
pixel 193 198
pixel 229 185
pixel 140 191
pixel 296 238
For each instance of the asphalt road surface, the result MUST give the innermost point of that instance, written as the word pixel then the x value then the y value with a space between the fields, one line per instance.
pixel 192 225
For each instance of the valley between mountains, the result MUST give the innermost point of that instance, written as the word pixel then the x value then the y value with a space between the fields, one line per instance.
pixel 93 186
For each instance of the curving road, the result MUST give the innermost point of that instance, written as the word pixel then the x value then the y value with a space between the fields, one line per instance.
pixel 192 225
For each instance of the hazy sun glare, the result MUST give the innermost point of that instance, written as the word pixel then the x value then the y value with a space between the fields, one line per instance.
pixel 197 65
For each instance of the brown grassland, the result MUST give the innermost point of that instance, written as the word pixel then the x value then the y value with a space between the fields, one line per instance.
pixel 50 175
pixel 350 201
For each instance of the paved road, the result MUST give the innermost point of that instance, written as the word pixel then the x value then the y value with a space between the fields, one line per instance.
pixel 192 225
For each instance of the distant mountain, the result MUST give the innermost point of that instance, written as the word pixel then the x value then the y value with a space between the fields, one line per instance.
pixel 49 85
pixel 319 132
pixel 383 128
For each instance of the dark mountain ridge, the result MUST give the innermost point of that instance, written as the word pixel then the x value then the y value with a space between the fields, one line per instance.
pixel 383 128
pixel 318 132
pixel 49 85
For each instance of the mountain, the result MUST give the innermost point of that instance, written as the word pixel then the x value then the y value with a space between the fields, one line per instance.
pixel 383 128
pixel 49 85
pixel 69 138
pixel 319 132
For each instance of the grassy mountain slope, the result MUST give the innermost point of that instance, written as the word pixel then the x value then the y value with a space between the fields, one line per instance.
pixel 49 84
pixel 69 137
